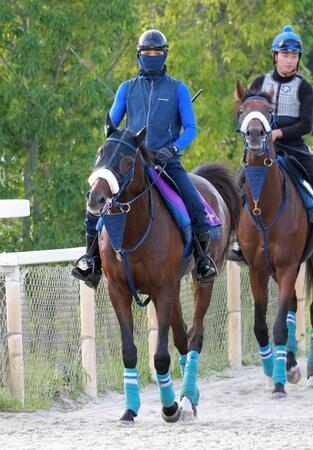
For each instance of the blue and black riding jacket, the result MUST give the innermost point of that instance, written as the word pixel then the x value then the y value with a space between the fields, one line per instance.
pixel 160 103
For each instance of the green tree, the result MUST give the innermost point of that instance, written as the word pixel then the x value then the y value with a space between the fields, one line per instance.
pixel 52 108
pixel 212 44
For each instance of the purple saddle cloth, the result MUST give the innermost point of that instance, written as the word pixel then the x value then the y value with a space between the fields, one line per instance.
pixel 179 210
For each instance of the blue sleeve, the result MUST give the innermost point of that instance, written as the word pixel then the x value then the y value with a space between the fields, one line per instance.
pixel 118 108
pixel 187 117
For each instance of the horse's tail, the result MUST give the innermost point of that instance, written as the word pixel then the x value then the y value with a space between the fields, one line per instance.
pixel 222 179
pixel 309 276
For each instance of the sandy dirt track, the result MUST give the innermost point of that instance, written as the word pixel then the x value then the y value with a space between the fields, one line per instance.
pixel 234 412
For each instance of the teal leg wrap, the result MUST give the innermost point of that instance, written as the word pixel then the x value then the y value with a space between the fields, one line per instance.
pixel 310 359
pixel 189 387
pixel 182 364
pixel 266 355
pixel 131 389
pixel 292 344
pixel 167 393
pixel 279 371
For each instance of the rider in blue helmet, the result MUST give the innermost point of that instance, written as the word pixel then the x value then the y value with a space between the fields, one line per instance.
pixel 287 41
pixel 162 104
pixel 292 103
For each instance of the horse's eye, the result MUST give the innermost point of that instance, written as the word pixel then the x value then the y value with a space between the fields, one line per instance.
pixel 270 111
pixel 240 111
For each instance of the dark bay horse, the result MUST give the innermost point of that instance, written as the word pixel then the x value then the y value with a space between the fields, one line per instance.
pixel 273 233
pixel 143 229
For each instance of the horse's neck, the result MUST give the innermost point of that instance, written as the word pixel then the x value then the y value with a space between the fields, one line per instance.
pixel 138 215
pixel 272 192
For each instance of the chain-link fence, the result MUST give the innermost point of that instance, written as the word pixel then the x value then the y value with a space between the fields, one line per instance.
pixel 51 328
pixel 3 340
pixel 51 332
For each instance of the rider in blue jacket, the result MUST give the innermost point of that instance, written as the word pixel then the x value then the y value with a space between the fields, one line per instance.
pixel 162 104
pixel 292 103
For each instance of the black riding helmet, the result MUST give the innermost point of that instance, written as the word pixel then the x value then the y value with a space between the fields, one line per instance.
pixel 152 39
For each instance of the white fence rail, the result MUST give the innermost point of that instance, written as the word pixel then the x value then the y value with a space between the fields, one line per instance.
pixel 36 300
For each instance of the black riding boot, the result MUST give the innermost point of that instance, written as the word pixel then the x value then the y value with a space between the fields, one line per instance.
pixel 90 272
pixel 205 266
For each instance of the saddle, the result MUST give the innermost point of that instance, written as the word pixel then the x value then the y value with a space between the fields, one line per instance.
pixel 302 182
pixel 172 198
pixel 300 178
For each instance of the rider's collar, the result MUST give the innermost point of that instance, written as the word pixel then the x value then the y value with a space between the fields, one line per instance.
pixel 281 79
pixel 160 74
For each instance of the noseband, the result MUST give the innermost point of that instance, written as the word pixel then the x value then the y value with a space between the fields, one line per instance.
pixel 268 130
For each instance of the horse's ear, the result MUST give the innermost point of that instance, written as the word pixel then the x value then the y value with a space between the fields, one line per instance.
pixel 139 137
pixel 239 90
pixel 109 126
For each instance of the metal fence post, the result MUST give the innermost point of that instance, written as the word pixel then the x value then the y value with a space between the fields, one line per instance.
pixel 14 328
pixel 88 339
pixel 300 317
pixel 234 315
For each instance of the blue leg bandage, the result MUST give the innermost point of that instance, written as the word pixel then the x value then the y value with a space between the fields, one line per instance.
pixel 189 387
pixel 131 389
pixel 279 371
pixel 266 355
pixel 182 364
pixel 167 393
pixel 310 359
pixel 292 344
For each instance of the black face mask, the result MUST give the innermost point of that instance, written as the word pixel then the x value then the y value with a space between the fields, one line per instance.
pixel 152 64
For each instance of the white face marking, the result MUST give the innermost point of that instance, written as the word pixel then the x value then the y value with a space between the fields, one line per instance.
pixel 255 115
pixel 107 175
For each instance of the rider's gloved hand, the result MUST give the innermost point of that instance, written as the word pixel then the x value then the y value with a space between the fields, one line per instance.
pixel 165 154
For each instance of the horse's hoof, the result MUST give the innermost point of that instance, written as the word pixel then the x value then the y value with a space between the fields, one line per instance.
pixel 171 414
pixel 310 382
pixel 279 391
pixel 188 411
pixel 293 374
pixel 128 417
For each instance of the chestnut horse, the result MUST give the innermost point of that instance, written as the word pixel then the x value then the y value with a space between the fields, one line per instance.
pixel 273 234
pixel 146 255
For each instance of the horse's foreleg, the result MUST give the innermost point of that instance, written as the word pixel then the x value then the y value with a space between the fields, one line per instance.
pixel 122 305
pixel 293 370
pixel 310 359
pixel 189 392
pixel 259 286
pixel 179 330
pixel 162 360
pixel 286 283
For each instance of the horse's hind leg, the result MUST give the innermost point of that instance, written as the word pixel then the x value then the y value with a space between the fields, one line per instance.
pixel 310 359
pixel 293 370
pixel 189 392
